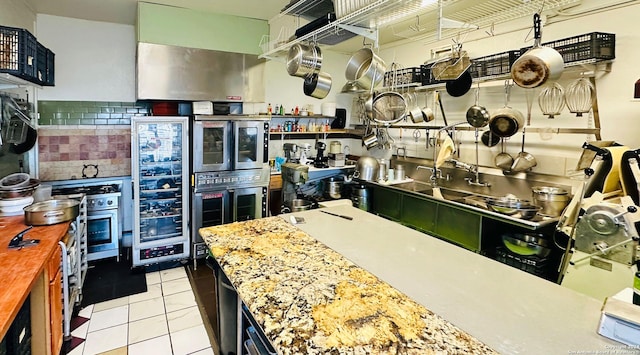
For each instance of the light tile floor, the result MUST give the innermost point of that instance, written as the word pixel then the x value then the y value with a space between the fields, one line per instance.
pixel 164 320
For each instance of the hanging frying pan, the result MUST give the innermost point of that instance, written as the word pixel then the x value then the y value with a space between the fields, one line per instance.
pixel 28 144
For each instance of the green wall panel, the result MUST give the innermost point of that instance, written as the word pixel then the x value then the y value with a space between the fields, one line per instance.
pixel 176 26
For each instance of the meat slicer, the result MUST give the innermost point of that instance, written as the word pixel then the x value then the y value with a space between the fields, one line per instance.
pixel 606 250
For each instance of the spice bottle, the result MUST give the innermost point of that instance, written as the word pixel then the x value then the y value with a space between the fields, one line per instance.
pixel 269 109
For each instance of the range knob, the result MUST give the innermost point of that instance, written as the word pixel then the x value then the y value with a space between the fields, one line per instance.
pixel 100 203
pixel 109 202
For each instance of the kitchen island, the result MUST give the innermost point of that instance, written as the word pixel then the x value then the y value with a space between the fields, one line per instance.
pixel 27 271
pixel 369 285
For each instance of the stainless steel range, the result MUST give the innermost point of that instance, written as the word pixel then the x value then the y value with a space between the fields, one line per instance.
pixel 103 216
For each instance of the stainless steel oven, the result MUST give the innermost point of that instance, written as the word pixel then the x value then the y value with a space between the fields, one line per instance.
pixel 104 216
pixel 224 197
pixel 102 233
pixel 222 143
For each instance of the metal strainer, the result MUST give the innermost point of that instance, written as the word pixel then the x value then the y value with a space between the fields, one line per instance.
pixel 389 107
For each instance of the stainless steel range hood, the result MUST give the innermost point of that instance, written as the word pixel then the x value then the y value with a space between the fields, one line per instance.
pixel 178 73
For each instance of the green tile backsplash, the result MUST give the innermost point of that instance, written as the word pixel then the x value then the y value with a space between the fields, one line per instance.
pixel 89 112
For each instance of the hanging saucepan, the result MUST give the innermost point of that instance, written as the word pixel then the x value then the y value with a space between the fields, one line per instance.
pixel 506 121
pixel 317 85
pixel 477 115
pixel 365 68
pixel 539 64
pixel 303 60
pixel 459 86
pixel 489 139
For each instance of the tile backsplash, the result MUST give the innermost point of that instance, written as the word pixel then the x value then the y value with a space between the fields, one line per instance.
pixel 64 151
pixel 89 112
pixel 73 134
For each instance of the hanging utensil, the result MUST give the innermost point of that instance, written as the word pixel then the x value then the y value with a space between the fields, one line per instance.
pixel 551 100
pixel 579 96
pixel 503 160
pixel 524 161
pixel 477 115
pixel 489 139
pixel 539 64
pixel 506 121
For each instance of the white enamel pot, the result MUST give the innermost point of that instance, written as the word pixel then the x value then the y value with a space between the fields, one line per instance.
pixel 539 64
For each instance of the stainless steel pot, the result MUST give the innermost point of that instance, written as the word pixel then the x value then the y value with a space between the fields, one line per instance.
pixel 317 85
pixel 365 68
pixel 367 169
pixel 51 212
pixel 333 187
pixel 300 204
pixel 303 60
pixel 551 200
pixel 539 64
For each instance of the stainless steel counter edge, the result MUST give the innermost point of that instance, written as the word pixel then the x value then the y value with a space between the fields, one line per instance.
pixel 477 210
pixel 510 310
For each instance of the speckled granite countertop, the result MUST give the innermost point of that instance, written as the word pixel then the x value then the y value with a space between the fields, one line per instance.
pixel 311 300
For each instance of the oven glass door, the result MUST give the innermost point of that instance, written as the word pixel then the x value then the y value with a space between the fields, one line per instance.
pixel 249 203
pixel 250 144
pixel 210 208
pixel 211 141
pixel 102 230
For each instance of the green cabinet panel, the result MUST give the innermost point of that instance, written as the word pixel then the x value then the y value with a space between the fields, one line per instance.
pixel 459 226
pixel 386 202
pixel 419 213
pixel 175 26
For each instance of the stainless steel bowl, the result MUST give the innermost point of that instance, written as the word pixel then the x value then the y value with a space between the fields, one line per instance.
pixel 513 207
pixel 526 244
pixel 20 191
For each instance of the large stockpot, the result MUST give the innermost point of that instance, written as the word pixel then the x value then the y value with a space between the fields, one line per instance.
pixel 539 64
pixel 365 68
pixel 51 212
pixel 303 60
pixel 551 200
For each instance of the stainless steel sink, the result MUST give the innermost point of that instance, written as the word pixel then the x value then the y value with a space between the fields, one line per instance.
pixel 427 189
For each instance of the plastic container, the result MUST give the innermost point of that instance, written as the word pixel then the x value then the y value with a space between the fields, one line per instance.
pixel 328 109
pixel 18 51
pixel 589 46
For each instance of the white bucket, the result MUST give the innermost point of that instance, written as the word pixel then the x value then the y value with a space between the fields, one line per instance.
pixel 328 109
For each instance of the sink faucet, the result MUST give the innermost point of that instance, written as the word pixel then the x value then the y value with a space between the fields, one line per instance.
pixel 435 174
pixel 404 152
pixel 472 168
